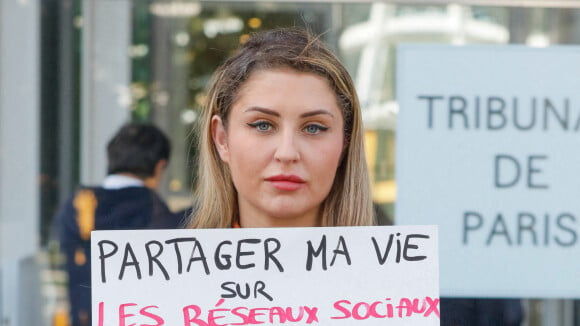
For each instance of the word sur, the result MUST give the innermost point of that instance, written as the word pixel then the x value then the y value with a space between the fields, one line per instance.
pixel 244 292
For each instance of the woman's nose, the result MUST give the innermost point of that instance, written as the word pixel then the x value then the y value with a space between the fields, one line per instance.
pixel 287 149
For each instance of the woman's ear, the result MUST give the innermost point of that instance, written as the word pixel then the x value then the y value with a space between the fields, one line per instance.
pixel 220 138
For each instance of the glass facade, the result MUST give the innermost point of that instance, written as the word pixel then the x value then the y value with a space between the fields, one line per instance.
pixel 365 35
pixel 173 48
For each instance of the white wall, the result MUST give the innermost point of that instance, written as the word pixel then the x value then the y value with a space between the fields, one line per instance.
pixel 19 146
pixel 106 78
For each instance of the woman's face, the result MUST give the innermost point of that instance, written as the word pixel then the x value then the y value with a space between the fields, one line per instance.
pixel 283 143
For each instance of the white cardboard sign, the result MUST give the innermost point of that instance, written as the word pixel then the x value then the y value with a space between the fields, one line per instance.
pixel 488 148
pixel 290 276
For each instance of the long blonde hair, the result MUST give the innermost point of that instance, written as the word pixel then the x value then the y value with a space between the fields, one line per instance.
pixel 349 202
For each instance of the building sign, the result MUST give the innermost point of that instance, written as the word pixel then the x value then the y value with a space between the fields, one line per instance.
pixel 292 276
pixel 488 148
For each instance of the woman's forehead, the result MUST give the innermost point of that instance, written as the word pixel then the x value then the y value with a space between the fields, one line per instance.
pixel 269 77
pixel 285 86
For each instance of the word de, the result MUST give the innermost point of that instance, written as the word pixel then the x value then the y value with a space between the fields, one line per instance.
pixel 531 166
pixel 385 309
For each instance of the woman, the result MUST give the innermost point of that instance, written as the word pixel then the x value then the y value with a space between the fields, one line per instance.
pixel 281 140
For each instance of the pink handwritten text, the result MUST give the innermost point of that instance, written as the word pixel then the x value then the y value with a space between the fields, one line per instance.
pixel 385 309
pixel 126 312
pixel 132 314
pixel 192 315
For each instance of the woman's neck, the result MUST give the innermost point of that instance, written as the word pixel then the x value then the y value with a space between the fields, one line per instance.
pixel 249 220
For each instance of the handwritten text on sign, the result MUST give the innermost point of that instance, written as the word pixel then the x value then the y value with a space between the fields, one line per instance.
pixel 300 276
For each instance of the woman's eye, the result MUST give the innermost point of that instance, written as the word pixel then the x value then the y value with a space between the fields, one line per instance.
pixel 261 125
pixel 315 128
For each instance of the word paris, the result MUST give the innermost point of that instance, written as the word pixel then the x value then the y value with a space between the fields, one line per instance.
pixel 323 276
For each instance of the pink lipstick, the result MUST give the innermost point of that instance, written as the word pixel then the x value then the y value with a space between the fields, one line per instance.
pixel 286 182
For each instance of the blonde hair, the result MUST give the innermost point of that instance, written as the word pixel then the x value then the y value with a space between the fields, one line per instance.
pixel 349 201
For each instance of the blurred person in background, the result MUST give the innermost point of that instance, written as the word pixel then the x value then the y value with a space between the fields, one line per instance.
pixel 137 156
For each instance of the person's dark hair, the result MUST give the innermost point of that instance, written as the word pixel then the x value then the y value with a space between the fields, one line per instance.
pixel 136 148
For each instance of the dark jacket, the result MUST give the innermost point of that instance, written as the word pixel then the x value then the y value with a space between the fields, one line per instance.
pixel 481 312
pixel 96 208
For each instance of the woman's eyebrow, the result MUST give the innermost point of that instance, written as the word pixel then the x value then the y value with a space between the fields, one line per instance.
pixel 275 113
pixel 316 112
pixel 263 110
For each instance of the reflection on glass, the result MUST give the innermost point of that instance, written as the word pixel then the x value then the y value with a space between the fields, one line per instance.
pixel 175 52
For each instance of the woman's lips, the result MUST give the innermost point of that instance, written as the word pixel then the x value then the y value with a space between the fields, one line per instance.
pixel 286 182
